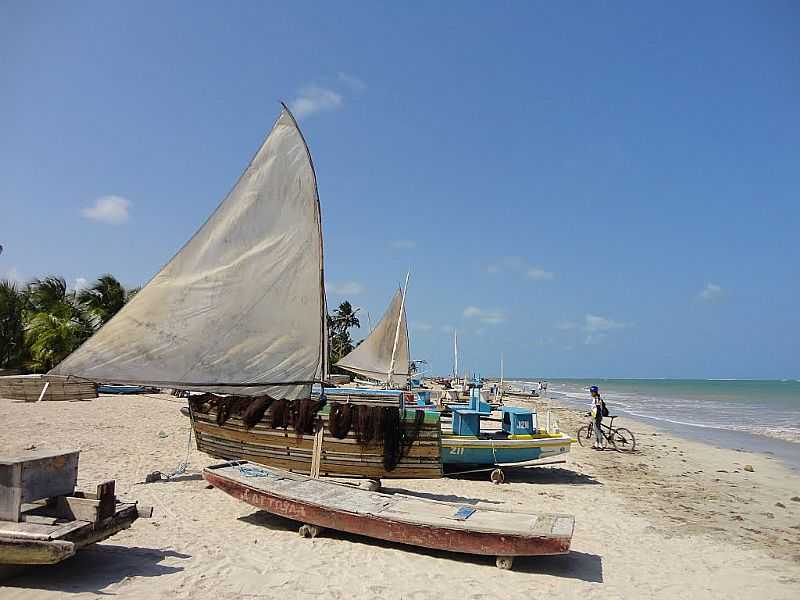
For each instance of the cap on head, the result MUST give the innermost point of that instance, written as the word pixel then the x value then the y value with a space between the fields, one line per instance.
pixel 594 389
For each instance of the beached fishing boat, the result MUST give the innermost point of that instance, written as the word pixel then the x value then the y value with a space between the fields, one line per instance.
pixel 404 519
pixel 239 314
pixel 519 442
pixel 468 445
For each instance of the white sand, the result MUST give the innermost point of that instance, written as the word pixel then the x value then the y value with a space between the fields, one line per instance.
pixel 662 523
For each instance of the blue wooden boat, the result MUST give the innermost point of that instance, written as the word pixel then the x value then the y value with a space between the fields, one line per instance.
pixel 519 442
pixel 120 389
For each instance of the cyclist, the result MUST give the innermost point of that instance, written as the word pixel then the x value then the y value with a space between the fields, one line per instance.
pixel 598 409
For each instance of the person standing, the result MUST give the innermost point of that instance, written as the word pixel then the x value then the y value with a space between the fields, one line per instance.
pixel 597 414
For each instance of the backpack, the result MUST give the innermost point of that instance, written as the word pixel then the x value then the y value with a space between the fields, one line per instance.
pixel 603 408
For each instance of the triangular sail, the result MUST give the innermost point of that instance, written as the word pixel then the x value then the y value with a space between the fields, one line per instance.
pixel 372 357
pixel 242 302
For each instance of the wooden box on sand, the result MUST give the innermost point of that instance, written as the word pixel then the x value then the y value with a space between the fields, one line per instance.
pixel 43 520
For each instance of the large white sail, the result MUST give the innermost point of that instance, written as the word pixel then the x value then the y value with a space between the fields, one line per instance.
pixel 242 302
pixel 372 357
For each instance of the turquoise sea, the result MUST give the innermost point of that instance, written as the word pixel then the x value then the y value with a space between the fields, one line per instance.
pixel 769 408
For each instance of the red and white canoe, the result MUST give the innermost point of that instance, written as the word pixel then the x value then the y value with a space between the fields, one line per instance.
pixel 319 504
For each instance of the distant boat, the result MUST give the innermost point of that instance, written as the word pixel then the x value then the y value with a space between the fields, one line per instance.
pixel 121 389
pixel 384 356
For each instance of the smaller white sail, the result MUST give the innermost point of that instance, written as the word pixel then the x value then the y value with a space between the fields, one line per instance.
pixel 372 358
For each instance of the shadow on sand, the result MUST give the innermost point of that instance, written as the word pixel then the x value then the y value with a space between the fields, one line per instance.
pixel 95 568
pixel 540 475
pixel 575 565
pixel 439 497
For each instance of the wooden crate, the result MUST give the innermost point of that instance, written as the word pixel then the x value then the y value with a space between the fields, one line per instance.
pixel 34 476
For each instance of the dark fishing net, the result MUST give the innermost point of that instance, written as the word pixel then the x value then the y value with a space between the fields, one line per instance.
pixel 225 407
pixel 280 413
pixel 255 410
pixel 392 437
pixel 383 424
pixel 411 431
pixel 340 419
pixel 369 424
pixel 399 435
pixel 305 414
pixel 201 403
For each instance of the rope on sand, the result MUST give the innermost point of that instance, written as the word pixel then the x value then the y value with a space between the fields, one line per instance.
pixel 179 470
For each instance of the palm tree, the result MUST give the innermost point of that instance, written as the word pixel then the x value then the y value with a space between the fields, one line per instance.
pixel 339 324
pixel 12 326
pixel 56 322
pixel 345 317
pixel 104 299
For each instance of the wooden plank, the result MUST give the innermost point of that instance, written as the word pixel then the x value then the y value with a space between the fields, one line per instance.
pixel 317 452
pixel 361 466
pixel 34 552
pixel 274 440
pixel 106 494
pixel 44 390
pixel 80 509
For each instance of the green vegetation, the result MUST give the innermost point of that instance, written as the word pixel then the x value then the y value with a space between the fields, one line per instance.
pixel 339 341
pixel 44 321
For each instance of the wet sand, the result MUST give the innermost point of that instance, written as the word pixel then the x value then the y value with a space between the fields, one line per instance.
pixel 676 519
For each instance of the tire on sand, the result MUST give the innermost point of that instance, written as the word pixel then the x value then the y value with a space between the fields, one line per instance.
pixel 622 439
pixel 583 435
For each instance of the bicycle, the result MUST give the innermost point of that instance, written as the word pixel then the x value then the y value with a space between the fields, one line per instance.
pixel 619 438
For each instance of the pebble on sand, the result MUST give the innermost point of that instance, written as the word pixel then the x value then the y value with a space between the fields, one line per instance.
pixel 749 468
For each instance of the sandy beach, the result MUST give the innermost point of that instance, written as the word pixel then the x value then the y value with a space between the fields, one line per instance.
pixel 675 519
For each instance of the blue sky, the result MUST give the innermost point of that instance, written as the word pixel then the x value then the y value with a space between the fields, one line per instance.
pixel 593 189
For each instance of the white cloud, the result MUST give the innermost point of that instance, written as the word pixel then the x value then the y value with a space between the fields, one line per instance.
pixel 711 292
pixel 108 209
pixel 354 83
pixel 346 288
pixel 539 274
pixel 597 328
pixel 80 283
pixel 515 264
pixel 404 244
pixel 418 326
pixel 596 323
pixel 314 99
pixel 490 317
pixel 13 276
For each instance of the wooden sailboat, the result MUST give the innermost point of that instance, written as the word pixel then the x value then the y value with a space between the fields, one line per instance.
pixel 239 313
pixel 384 356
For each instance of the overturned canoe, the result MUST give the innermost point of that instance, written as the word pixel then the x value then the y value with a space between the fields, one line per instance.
pixel 394 517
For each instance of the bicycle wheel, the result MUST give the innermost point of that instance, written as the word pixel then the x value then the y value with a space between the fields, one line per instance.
pixel 584 435
pixel 622 439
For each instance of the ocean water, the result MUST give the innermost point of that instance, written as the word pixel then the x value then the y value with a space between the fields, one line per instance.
pixel 768 408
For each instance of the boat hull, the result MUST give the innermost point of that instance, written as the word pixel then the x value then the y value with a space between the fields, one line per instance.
pixel 471 451
pixel 285 449
pixel 39 544
pixel 400 519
